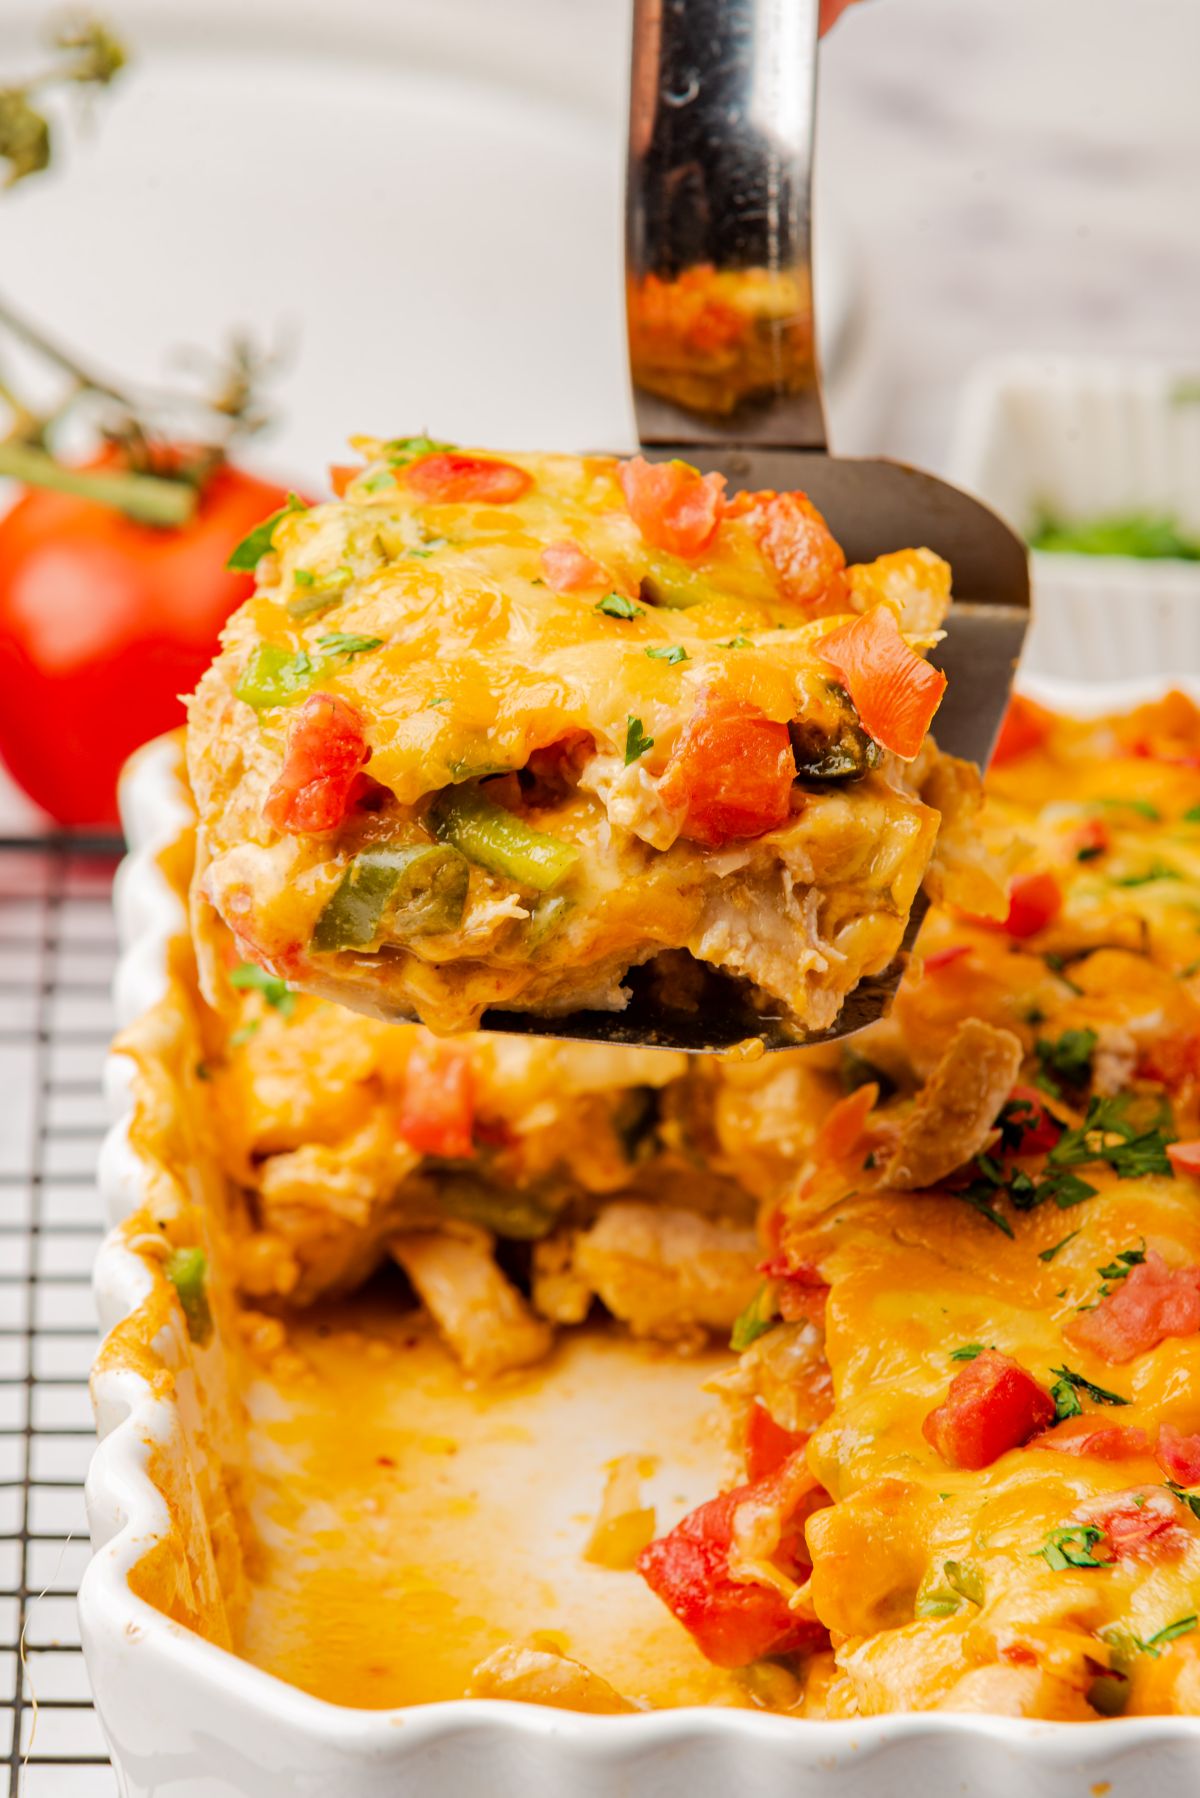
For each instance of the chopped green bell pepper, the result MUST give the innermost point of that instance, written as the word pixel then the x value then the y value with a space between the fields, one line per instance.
pixel 418 888
pixel 187 1269
pixel 485 833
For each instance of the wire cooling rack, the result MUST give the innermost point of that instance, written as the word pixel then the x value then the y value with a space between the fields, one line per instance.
pixel 57 950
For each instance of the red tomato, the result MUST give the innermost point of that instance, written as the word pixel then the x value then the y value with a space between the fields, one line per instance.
pixel 737 1621
pixel 1139 1523
pixel 1034 900
pixel 450 479
pixel 801 1290
pixel 1026 727
pixel 1178 1456
pixel 674 508
pixel 103 624
pixel 1040 1129
pixel 437 1107
pixel 768 1444
pixel 799 545
pixel 731 771
pixel 326 748
pixel 1153 1302
pixel 945 958
pixel 992 1405
pixel 895 691
pixel 1185 1157
pixel 569 569
pixel 1103 1442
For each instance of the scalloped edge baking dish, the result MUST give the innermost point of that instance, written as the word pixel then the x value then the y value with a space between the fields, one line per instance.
pixel 187 1719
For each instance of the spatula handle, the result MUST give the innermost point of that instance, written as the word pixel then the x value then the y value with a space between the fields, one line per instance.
pixel 718 229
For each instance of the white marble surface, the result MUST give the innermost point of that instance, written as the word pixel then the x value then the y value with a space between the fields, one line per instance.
pixel 1006 174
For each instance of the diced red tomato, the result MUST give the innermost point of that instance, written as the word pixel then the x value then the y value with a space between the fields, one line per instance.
pixel 768 1444
pixel 1100 1441
pixel 1039 1127
pixel 1153 1302
pixel 737 1621
pixel 1146 751
pixel 340 476
pixel 437 1105
pixel 731 771
pixel 674 508
pixel 1178 1455
pixel 1026 727
pixel 1034 900
pixel 895 691
pixel 326 748
pixel 801 1292
pixel 798 543
pixel 992 1405
pixel 1171 1059
pixel 451 479
pixel 945 958
pixel 1138 1523
pixel 1185 1157
pixel 569 569
pixel 1091 839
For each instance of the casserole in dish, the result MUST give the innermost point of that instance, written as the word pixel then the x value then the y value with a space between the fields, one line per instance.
pixel 1051 1606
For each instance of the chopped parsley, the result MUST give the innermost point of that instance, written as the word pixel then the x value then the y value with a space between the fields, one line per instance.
pixel 1142 807
pixel 1066 1059
pixel 736 643
pixel 976 1196
pixel 402 450
pixel 1134 1153
pixel 636 741
pixel 277 993
pixel 249 551
pixel 1190 1499
pixel 754 1321
pixel 615 605
pixel 674 653
pixel 344 643
pixel 1052 1251
pixel 1171 1632
pixel 1158 870
pixel 1192 815
pixel 970 1351
pixel 1119 1268
pixel 375 483
pixel 1067 1387
pixel 1072 1547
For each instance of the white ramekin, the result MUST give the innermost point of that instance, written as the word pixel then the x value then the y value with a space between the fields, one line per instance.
pixel 1085 438
pixel 185 1719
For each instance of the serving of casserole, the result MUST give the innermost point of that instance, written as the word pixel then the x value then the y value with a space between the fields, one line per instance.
pixel 429 1398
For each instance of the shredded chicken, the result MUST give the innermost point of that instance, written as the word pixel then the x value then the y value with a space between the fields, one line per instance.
pixel 482 1316
pixel 668 1273
pixel 535 1676
pixel 955 1111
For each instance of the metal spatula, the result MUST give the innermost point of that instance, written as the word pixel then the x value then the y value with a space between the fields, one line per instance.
pixel 720 154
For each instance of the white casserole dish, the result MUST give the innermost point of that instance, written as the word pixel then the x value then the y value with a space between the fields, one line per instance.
pixel 1085 439
pixel 185 1719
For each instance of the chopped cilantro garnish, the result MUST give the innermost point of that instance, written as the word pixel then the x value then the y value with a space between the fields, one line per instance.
pixel 277 993
pixel 736 643
pixel 1192 815
pixel 1118 1269
pixel 250 549
pixel 400 450
pixel 344 643
pixel 1072 1547
pixel 978 1197
pixel 636 742
pixel 1182 1626
pixel 1068 1380
pixel 1190 1499
pixel 1136 1151
pixel 969 1351
pixel 375 483
pixel 1052 1251
pixel 754 1321
pixel 675 653
pixel 1142 807
pixel 1067 1058
pixel 615 605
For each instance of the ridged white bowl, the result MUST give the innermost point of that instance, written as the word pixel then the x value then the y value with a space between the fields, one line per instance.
pixel 1085 438
pixel 185 1719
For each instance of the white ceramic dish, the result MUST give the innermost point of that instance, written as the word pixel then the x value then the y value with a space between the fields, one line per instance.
pixel 188 1720
pixel 1085 438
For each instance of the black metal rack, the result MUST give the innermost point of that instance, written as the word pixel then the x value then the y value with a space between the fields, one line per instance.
pixel 57 951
